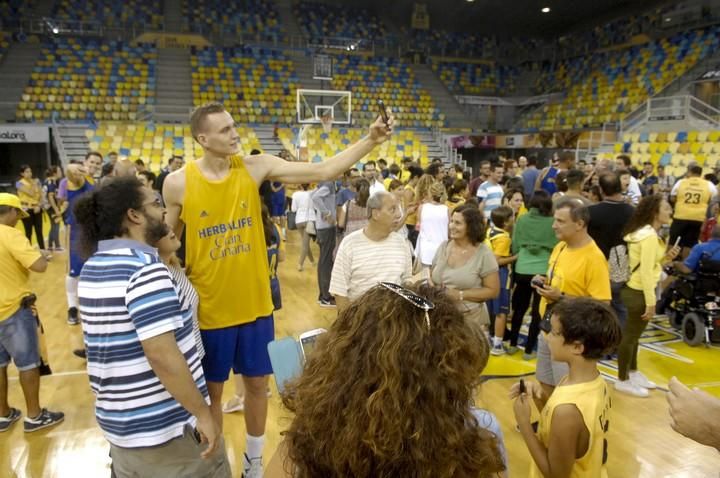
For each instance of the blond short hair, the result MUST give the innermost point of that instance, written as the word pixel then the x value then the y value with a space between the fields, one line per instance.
pixel 199 114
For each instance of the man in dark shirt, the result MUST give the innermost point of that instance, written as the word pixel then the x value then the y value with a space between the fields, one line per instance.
pixel 649 180
pixel 607 223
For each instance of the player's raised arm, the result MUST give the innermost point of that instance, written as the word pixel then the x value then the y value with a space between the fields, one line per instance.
pixel 277 169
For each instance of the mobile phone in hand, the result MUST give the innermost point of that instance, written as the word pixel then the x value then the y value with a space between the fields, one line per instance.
pixel 383 111
pixel 522 386
pixel 538 283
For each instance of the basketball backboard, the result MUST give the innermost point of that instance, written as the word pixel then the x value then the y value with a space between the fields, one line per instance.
pixel 313 105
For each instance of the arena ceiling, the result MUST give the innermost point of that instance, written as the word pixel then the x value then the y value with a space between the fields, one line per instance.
pixel 506 18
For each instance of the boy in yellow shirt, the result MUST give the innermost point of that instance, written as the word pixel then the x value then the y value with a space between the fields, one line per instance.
pixel 572 436
pixel 500 241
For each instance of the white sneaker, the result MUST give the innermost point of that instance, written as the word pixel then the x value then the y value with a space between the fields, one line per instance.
pixel 497 350
pixel 637 378
pixel 631 389
pixel 253 468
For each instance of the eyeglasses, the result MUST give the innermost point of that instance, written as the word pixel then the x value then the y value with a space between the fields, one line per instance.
pixel 156 202
pixel 413 298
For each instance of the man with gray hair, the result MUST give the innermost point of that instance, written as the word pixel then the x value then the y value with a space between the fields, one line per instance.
pixel 373 254
pixel 577 268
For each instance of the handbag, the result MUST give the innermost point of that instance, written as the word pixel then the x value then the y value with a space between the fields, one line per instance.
pixel 292 225
pixel 310 228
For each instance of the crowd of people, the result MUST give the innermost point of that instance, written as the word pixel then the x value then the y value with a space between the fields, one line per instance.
pixel 432 271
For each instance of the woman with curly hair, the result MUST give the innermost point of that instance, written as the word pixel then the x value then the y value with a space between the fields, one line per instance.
pixel 388 392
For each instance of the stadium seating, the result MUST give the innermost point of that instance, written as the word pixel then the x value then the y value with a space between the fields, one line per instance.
pixel 257 85
pixel 674 150
pixel 445 43
pixel 154 143
pixel 146 13
pixel 476 78
pixel 255 18
pixel 606 86
pixel 321 145
pixel 320 20
pixel 391 80
pixel 90 80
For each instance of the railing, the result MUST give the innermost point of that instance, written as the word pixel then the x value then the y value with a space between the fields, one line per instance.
pixel 57 138
pixel 450 153
pixel 597 140
pixel 671 108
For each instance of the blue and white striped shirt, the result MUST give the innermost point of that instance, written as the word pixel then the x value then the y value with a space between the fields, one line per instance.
pixel 127 295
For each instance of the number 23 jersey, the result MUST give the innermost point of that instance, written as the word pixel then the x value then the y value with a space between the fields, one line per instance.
pixel 692 198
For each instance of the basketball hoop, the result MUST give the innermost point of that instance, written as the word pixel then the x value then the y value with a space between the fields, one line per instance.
pixel 327 122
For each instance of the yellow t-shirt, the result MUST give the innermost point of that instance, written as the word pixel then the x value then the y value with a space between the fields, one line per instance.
pixel 692 198
pixel 592 399
pixel 226 255
pixel 499 241
pixel 581 272
pixel 31 194
pixel 16 256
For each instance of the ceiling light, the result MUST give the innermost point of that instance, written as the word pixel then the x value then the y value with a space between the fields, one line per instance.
pixel 667 19
pixel 545 10
pixel 55 30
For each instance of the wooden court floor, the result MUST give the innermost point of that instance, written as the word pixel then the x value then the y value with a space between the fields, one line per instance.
pixel 642 444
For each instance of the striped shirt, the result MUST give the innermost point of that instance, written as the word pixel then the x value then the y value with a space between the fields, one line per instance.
pixel 188 303
pixel 127 296
pixel 490 194
pixel 361 263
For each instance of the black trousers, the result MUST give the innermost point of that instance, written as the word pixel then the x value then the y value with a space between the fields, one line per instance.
pixel 326 241
pixel 521 298
pixel 35 220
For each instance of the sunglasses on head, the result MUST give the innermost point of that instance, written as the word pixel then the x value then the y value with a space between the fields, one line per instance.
pixel 416 300
pixel 545 325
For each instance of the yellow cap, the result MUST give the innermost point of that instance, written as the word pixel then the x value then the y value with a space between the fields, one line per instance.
pixel 7 199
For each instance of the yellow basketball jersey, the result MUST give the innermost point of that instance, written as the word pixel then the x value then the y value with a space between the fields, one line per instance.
pixel 693 196
pixel 226 257
pixel 593 401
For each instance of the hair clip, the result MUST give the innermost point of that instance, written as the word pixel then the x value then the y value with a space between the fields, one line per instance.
pixel 413 298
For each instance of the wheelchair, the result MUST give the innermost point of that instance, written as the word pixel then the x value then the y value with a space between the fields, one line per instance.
pixel 692 303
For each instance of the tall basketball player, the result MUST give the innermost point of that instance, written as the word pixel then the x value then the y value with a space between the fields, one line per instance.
pixel 216 199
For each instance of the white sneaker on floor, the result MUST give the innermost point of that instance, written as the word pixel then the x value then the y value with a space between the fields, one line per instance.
pixel 253 468
pixel 497 350
pixel 637 378
pixel 631 389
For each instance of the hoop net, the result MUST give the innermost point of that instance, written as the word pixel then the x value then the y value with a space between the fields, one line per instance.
pixel 327 122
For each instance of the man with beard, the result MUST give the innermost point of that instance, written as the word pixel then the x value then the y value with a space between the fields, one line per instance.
pixel 152 402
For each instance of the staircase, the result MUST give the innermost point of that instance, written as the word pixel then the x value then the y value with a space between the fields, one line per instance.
pixel 172 14
pixel 444 100
pixel 287 18
pixel 304 69
pixel 15 70
pixel 269 144
pixel 70 141
pixel 173 93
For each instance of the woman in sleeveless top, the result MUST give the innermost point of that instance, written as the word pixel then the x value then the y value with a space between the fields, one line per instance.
pixel 30 193
pixel 433 218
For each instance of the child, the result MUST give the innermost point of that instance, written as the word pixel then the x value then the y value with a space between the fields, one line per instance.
pixel 572 436
pixel 499 238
